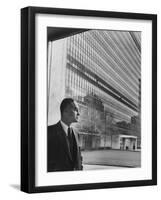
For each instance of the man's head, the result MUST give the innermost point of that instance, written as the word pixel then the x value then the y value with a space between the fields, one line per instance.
pixel 69 111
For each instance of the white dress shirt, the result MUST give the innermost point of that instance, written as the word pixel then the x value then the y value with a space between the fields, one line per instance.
pixel 65 127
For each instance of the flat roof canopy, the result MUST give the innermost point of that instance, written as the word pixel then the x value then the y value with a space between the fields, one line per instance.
pixel 127 136
pixel 55 33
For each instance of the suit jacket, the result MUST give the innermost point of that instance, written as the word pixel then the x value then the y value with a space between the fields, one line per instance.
pixel 59 157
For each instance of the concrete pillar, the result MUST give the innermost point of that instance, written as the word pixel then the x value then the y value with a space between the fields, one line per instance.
pixel 57 52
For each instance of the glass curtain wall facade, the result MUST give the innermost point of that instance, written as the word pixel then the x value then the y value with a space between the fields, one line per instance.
pixel 103 74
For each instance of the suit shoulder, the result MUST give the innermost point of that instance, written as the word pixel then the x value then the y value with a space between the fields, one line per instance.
pixel 52 128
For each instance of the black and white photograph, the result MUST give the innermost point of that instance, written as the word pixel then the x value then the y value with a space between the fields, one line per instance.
pixel 94 99
pixel 89 92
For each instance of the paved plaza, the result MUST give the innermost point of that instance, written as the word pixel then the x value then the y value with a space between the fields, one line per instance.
pixel 107 159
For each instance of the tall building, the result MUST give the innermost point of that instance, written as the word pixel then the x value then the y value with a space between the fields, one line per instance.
pixel 101 70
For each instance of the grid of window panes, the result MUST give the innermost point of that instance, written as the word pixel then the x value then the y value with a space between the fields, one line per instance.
pixel 102 75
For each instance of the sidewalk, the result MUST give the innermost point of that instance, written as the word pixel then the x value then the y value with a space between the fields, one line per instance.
pixel 97 167
pixel 111 158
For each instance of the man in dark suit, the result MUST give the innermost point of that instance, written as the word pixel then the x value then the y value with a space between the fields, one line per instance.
pixel 62 141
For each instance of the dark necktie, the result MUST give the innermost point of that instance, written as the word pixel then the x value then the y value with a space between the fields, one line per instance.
pixel 70 140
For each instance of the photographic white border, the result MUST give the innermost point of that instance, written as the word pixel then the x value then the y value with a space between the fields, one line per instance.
pixel 42 178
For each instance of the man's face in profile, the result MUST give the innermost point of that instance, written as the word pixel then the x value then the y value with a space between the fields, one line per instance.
pixel 72 112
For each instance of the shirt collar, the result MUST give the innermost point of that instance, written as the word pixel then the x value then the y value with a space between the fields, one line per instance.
pixel 65 127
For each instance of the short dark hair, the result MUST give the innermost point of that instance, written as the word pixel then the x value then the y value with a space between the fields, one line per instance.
pixel 65 103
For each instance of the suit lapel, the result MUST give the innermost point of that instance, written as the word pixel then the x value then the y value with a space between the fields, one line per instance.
pixel 63 140
pixel 76 144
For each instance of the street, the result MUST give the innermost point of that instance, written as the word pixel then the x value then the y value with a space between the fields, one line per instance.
pixel 103 159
